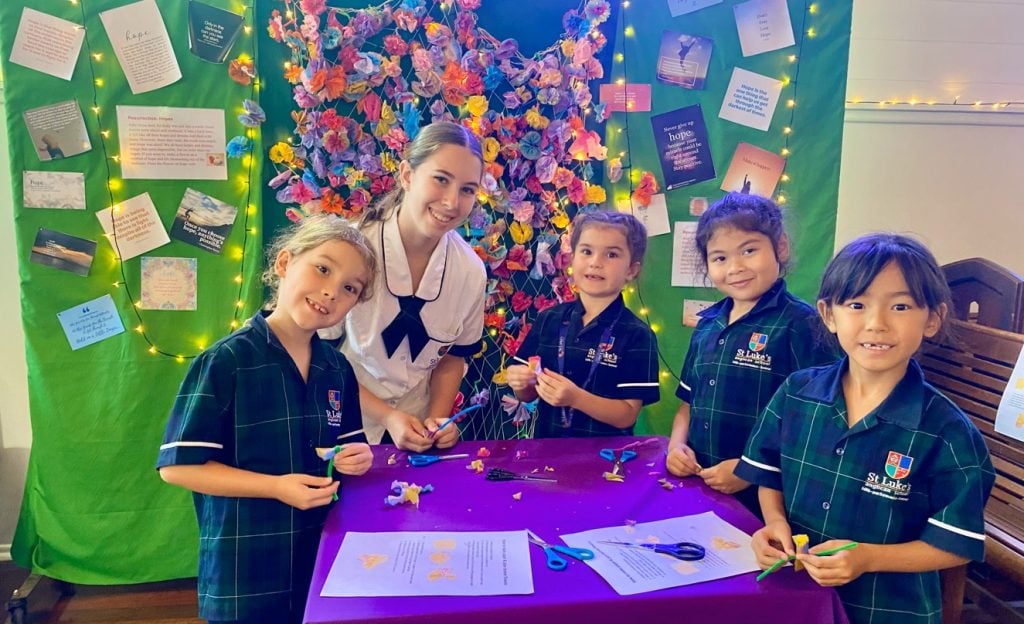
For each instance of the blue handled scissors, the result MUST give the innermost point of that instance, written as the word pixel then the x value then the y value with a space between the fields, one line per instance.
pixel 426 460
pixel 684 551
pixel 617 458
pixel 555 561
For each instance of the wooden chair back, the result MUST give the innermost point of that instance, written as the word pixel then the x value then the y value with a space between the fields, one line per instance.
pixel 997 292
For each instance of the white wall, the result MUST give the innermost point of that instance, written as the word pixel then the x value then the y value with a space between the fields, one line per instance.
pixel 15 432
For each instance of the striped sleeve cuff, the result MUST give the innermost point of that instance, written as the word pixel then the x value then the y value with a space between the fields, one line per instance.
pixel 954 539
pixel 759 473
pixel 190 453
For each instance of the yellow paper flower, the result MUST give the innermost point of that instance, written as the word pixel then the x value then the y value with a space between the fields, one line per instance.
pixel 559 219
pixel 521 232
pixel 388 162
pixel 596 194
pixel 281 152
pixel 568 47
pixel 477 105
pixel 491 147
pixel 499 378
pixel 536 120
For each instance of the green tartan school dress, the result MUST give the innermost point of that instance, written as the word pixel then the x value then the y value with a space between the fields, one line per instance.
pixel 915 468
pixel 626 366
pixel 243 403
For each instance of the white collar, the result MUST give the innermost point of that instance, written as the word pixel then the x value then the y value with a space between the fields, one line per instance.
pixel 397 277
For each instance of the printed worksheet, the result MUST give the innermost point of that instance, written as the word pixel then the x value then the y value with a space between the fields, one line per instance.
pixel 431 563
pixel 633 570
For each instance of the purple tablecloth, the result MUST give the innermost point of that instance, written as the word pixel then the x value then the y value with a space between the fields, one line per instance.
pixel 582 499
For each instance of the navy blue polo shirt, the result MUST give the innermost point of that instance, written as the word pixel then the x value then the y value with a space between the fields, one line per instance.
pixel 627 370
pixel 243 403
pixel 731 371
pixel 915 468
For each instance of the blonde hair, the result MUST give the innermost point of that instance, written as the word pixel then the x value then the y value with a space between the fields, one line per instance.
pixel 430 139
pixel 310 233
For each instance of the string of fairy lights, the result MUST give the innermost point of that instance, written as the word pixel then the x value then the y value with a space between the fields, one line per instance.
pixel 790 80
pixel 115 184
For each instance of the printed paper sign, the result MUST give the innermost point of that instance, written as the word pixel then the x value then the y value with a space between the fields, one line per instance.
pixel 654 216
pixel 682 141
pixel 754 171
pixel 683 60
pixel 47 44
pixel 626 98
pixel 1010 416
pixel 63 251
pixel 687 265
pixel 57 130
pixel 168 283
pixel 139 38
pixel 763 25
pixel 53 189
pixel 90 322
pixel 203 221
pixel 166 143
pixel 750 99
pixel 133 227
pixel 682 7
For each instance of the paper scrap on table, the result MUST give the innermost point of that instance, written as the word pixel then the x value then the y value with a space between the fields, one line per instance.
pixel 636 570
pixel 431 563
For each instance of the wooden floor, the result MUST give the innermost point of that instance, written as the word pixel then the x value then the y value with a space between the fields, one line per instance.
pixel 170 602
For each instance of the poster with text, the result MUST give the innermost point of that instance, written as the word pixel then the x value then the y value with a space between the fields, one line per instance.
pixel 750 99
pixel 53 189
pixel 167 143
pixel 682 140
pixel 683 60
pixel 90 322
pixel 139 38
pixel 168 283
pixel 203 221
pixel 57 130
pixel 63 251
pixel 133 227
pixel 47 44
pixel 753 170
pixel 763 25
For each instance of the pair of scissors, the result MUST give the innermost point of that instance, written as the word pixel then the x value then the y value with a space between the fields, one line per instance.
pixel 617 458
pixel 555 560
pixel 426 460
pixel 684 551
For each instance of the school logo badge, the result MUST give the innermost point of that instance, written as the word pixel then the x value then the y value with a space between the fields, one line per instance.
pixel 605 347
pixel 897 465
pixel 758 342
pixel 334 398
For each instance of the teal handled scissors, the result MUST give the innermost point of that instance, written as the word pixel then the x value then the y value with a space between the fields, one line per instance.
pixel 684 551
pixel 617 458
pixel 555 560
pixel 426 460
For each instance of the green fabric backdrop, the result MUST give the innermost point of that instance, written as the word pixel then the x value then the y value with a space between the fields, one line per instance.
pixel 95 511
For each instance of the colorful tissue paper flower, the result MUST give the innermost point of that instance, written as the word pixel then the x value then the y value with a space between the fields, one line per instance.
pixel 529 145
pixel 614 170
pixel 520 232
pixel 242 70
pixel 237 146
pixel 595 194
pixel 281 153
pixel 476 105
pixel 646 189
pixel 597 11
pixel 253 115
pixel 521 301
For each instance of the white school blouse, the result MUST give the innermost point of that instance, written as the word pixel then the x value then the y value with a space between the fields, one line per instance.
pixel 454 288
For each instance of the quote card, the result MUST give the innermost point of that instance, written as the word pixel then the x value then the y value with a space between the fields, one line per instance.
pixel 90 322
pixel 53 189
pixel 139 38
pixel 753 170
pixel 57 130
pixel 682 141
pixel 203 221
pixel 682 7
pixel 687 266
pixel 169 283
pixel 763 25
pixel 654 216
pixel 683 59
pixel 750 99
pixel 47 44
pixel 168 143
pixel 626 98
pixel 63 251
pixel 133 227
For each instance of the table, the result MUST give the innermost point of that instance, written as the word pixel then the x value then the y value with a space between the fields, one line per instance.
pixel 463 501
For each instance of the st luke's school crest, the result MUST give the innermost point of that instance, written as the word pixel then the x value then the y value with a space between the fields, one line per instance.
pixel 897 465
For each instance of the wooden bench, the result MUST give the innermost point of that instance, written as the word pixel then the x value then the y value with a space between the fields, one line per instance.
pixel 986 293
pixel 974 375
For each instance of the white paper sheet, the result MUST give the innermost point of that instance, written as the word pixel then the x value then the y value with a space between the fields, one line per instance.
pixel 636 570
pixel 53 189
pixel 133 227
pixel 165 143
pixel 654 216
pixel 763 25
pixel 687 265
pixel 139 38
pixel 1010 417
pixel 750 99
pixel 47 44
pixel 431 563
